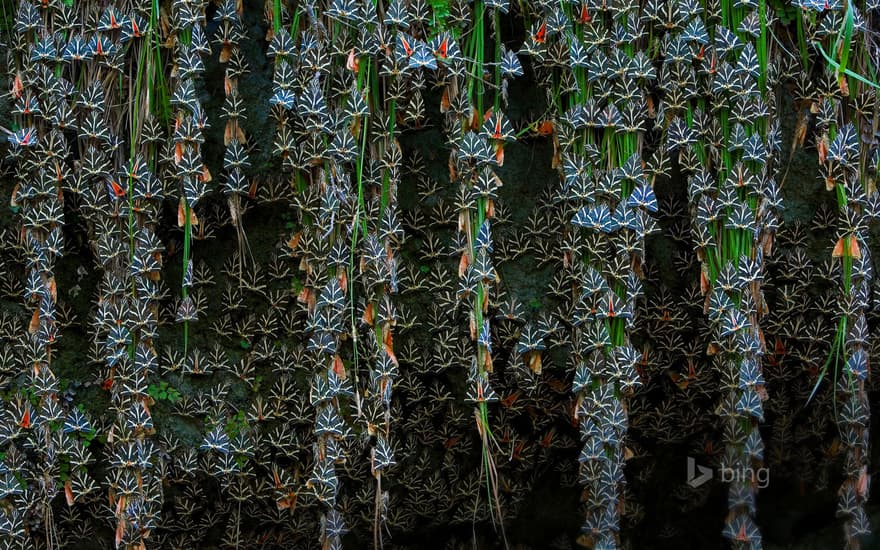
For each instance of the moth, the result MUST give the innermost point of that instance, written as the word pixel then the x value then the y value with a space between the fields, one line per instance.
pixel 480 391
pixel 382 455
pixel 857 364
pixel 750 403
pixel 474 148
pixel 77 49
pixel 421 57
pixel 510 65
pixel 138 418
pixel 328 422
pixel 320 392
pixel 333 524
pixel 597 218
pixel 216 440
pixel 741 528
pixel 679 135
pixel 186 311
pixel 497 127
pixel 25 137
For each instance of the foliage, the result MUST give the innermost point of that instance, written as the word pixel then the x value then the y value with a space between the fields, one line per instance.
pixel 163 391
pixel 403 261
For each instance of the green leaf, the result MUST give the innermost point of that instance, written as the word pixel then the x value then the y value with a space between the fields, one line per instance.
pixel 296 285
pixel 837 66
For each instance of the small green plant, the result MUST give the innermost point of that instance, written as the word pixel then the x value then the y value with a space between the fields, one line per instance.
pixel 163 392
pixel 440 9
pixel 786 12
pixel 89 436
pixel 236 424
pixel 296 285
pixel 64 471
pixel 31 396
